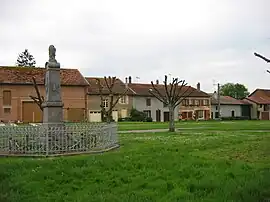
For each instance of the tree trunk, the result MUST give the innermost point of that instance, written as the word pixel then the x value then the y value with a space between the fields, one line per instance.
pixel 171 119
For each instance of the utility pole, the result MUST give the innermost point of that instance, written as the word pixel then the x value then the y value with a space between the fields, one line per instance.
pixel 218 99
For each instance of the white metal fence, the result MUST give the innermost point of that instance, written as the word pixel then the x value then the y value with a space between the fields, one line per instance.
pixel 57 139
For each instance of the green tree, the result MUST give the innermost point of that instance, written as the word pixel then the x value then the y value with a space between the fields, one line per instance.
pixel 237 91
pixel 25 59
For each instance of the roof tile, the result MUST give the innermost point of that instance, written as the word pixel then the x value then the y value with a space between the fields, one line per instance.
pixel 227 100
pixel 143 90
pixel 118 88
pixel 260 96
pixel 23 75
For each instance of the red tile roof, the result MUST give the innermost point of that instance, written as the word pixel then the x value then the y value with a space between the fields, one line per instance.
pixel 23 75
pixel 260 96
pixel 118 88
pixel 143 90
pixel 227 100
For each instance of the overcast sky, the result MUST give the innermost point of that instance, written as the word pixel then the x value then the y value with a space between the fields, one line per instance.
pixel 206 41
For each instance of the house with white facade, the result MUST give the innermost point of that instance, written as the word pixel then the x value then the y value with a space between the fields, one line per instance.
pixel 229 107
pixel 196 105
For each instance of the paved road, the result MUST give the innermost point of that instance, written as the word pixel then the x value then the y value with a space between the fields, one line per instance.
pixel 188 129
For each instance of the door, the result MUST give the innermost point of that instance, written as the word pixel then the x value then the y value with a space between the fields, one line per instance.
pixel 31 113
pixel 115 115
pixel 232 113
pixel 166 116
pixel 206 114
pixel 75 114
pixel 158 114
pixel 123 113
pixel 94 116
pixel 184 115
pixel 189 115
pixel 264 115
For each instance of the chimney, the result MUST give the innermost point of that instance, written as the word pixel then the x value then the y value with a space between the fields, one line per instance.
pixel 129 79
pixel 126 80
pixel 198 86
pixel 157 82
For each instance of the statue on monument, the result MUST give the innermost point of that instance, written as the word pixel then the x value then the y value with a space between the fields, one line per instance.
pixel 52 51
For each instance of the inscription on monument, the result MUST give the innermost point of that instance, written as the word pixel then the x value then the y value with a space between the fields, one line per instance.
pixel 56 88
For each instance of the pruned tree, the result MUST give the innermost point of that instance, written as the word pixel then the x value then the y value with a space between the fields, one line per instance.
pixel 38 99
pixel 108 87
pixel 25 59
pixel 171 95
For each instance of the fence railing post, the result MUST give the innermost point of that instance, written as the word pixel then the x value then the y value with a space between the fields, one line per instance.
pixel 46 139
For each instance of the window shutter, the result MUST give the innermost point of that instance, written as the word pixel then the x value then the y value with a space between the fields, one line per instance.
pixel 6 97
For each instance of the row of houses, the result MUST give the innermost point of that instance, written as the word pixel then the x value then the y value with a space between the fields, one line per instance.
pixel 81 99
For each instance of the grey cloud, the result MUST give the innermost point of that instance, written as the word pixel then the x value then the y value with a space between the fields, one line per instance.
pixel 145 39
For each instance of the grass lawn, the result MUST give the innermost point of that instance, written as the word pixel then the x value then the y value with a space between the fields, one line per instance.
pixel 199 166
pixel 193 125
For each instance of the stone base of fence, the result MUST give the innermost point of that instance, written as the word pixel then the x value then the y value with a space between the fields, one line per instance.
pixel 57 140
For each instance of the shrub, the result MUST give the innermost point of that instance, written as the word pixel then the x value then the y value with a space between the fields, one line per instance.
pixel 124 119
pixel 136 115
pixel 235 118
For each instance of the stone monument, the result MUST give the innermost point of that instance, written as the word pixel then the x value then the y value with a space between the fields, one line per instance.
pixel 53 105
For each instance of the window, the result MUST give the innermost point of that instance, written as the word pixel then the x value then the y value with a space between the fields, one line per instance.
pixel 185 102
pixel 148 102
pixel 216 107
pixel 197 102
pixel 123 100
pixel 190 101
pixel 205 102
pixel 147 113
pixel 7 98
pixel 105 103
pixel 7 110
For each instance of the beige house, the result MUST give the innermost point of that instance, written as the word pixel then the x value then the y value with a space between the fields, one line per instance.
pixel 196 105
pixel 16 86
pixel 122 108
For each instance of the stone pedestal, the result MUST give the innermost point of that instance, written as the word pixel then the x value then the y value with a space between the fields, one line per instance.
pixel 53 105
pixel 53 109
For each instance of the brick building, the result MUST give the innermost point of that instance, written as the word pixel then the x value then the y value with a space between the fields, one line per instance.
pixel 16 86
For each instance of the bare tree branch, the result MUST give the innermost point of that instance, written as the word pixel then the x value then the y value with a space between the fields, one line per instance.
pixel 166 88
pixel 177 82
pixel 156 96
pixel 177 95
pixel 262 57
pixel 39 99
pixel 161 98
pixel 184 97
pixel 109 83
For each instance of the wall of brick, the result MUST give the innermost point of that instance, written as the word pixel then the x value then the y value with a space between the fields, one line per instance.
pixel 72 96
